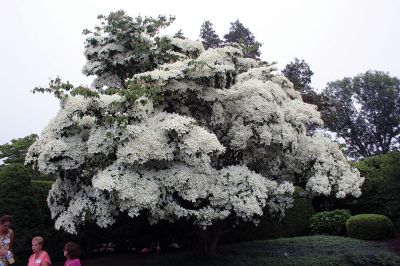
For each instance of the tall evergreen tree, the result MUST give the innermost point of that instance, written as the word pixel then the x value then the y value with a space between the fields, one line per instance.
pixel 238 33
pixel 209 38
pixel 179 34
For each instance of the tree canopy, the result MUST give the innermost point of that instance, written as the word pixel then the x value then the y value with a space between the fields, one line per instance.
pixel 300 74
pixel 366 112
pixel 209 38
pixel 214 138
pixel 238 33
pixel 15 151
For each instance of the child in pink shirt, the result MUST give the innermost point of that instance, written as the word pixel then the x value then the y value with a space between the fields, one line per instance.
pixel 72 252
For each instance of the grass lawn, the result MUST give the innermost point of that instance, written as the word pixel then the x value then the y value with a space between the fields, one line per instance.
pixel 310 250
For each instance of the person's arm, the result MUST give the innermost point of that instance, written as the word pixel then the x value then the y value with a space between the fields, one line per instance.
pixel 11 240
pixel 45 259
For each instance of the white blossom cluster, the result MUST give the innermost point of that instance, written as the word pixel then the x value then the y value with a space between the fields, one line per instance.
pixel 228 138
pixel 187 47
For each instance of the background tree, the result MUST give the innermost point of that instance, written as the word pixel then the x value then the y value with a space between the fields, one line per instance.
pixel 213 138
pixel 366 112
pixel 179 34
pixel 300 74
pixel 15 151
pixel 238 33
pixel 209 38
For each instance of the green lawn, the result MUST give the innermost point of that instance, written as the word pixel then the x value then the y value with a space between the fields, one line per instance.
pixel 311 250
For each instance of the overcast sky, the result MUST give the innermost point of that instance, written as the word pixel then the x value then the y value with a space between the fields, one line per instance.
pixel 42 39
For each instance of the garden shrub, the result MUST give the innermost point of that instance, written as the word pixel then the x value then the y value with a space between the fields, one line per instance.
pixel 329 222
pixel 295 223
pixel 380 191
pixel 18 201
pixel 370 227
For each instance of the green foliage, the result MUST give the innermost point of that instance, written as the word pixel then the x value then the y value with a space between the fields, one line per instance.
pixel 15 151
pixel 62 90
pixel 238 33
pixel 299 73
pixel 84 91
pixel 136 89
pixel 380 191
pixel 18 201
pixel 57 87
pixel 329 222
pixel 366 112
pixel 179 34
pixel 209 38
pixel 370 227
pixel 40 191
pixel 295 223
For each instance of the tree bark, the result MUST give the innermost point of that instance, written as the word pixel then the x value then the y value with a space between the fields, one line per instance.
pixel 207 239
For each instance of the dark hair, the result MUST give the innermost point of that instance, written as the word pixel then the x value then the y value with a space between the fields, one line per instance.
pixel 73 250
pixel 5 218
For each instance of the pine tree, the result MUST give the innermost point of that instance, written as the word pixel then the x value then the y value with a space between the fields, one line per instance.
pixel 238 33
pixel 209 38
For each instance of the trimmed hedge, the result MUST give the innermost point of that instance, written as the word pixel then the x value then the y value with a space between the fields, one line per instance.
pixel 18 201
pixel 380 191
pixel 329 222
pixel 370 227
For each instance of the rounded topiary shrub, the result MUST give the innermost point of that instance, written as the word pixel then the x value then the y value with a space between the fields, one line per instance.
pixel 329 222
pixel 370 227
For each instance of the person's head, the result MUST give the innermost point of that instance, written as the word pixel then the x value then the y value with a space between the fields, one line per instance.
pixel 37 244
pixel 72 250
pixel 5 223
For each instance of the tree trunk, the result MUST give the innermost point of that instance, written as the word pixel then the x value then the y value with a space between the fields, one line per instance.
pixel 208 239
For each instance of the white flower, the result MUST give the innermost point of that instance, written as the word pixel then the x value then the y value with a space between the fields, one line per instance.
pixel 224 138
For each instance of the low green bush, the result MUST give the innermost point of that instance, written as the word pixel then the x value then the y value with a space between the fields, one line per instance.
pixel 329 222
pixel 370 227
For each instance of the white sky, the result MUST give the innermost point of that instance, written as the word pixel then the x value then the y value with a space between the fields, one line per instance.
pixel 40 39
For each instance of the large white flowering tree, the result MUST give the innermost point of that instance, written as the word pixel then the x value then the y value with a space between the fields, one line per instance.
pixel 213 138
